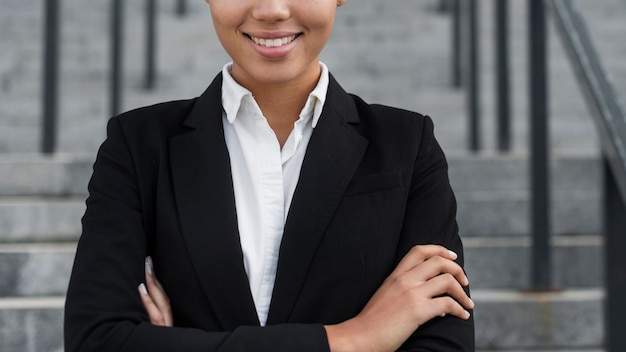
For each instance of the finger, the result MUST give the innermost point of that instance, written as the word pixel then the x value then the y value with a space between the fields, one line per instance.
pixel 446 284
pixel 418 254
pixel 448 306
pixel 157 293
pixel 435 266
pixel 156 318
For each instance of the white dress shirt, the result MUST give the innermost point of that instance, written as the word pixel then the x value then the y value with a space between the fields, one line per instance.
pixel 264 177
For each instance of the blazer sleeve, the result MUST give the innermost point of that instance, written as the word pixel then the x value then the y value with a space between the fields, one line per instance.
pixel 431 219
pixel 103 309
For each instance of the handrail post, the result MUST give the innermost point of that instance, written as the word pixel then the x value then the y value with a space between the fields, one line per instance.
pixel 540 190
pixel 615 247
pixel 456 43
pixel 117 32
pixel 50 92
pixel 473 86
pixel 150 50
pixel 502 75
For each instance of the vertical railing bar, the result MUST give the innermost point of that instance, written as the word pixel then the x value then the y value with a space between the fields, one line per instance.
pixel 456 43
pixel 502 75
pixel 540 191
pixel 443 6
pixel 615 247
pixel 181 7
pixel 50 91
pixel 150 49
pixel 473 86
pixel 117 32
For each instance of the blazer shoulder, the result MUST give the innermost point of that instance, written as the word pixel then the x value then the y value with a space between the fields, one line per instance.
pixel 391 124
pixel 164 115
pixel 384 116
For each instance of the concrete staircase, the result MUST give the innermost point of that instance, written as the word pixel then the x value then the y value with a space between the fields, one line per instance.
pixel 395 53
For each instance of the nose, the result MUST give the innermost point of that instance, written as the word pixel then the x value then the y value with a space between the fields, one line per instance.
pixel 271 10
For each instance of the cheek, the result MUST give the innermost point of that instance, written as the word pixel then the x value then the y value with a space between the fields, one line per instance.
pixel 320 23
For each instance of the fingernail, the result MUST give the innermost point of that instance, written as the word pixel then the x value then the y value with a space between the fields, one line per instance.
pixel 466 280
pixel 467 315
pixel 472 303
pixel 149 265
pixel 143 289
pixel 454 255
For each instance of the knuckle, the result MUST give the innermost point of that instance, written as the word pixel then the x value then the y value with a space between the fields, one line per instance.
pixel 400 281
pixel 448 279
pixel 415 250
pixel 449 303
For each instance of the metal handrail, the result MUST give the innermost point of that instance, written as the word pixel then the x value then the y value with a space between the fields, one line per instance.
pixel 116 50
pixel 541 273
pixel 151 45
pixel 610 119
pixel 473 76
pixel 600 95
pixel 50 91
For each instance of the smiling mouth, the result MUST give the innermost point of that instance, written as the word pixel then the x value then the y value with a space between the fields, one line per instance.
pixel 272 43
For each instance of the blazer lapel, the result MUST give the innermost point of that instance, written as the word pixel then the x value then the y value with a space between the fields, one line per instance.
pixel 333 155
pixel 204 194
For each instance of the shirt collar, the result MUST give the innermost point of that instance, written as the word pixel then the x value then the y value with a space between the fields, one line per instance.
pixel 235 96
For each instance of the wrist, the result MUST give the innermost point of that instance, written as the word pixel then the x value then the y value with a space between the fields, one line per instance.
pixel 344 337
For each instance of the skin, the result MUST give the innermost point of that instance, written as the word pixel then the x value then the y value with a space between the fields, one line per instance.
pixel 427 283
pixel 409 297
pixel 280 79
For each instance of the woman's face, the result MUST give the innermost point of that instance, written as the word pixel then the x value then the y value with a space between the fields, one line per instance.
pixel 274 41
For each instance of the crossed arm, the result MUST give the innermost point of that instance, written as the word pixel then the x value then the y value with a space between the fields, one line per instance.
pixel 427 283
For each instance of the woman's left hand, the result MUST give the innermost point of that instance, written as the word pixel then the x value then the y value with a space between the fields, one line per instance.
pixel 155 299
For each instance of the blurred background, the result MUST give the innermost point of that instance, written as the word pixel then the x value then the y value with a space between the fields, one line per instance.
pixel 527 99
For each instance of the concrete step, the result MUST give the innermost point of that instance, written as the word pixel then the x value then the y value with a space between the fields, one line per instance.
pixel 66 174
pixel 570 319
pixel 35 270
pixel 505 321
pixel 385 41
pixel 31 324
pixel 42 269
pixel 42 198
pixel 493 197
pixel 37 219
pixel 505 262
pixel 40 175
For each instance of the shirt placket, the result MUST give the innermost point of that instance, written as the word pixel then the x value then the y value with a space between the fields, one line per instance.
pixel 272 189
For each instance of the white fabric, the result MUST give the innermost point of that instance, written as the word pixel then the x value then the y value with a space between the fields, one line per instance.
pixel 264 178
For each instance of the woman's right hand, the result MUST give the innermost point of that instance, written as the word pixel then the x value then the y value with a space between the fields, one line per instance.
pixel 427 283
pixel 154 298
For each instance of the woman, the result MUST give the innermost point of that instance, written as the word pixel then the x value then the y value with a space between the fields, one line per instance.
pixel 281 213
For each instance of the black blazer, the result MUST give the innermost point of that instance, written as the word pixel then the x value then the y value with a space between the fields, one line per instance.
pixel 373 184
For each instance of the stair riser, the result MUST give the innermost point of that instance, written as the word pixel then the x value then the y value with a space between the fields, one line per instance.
pixel 26 175
pixel 471 173
pixel 31 329
pixel 503 321
pixel 40 221
pixel 40 272
pixel 544 321
pixel 62 174
pixel 508 266
pixel 43 270
pixel 508 213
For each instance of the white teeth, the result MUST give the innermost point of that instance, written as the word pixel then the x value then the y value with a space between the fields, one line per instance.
pixel 270 43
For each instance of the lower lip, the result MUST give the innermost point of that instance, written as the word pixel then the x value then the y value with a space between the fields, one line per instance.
pixel 275 52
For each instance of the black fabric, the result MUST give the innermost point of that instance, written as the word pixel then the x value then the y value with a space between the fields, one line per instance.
pixel 373 184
